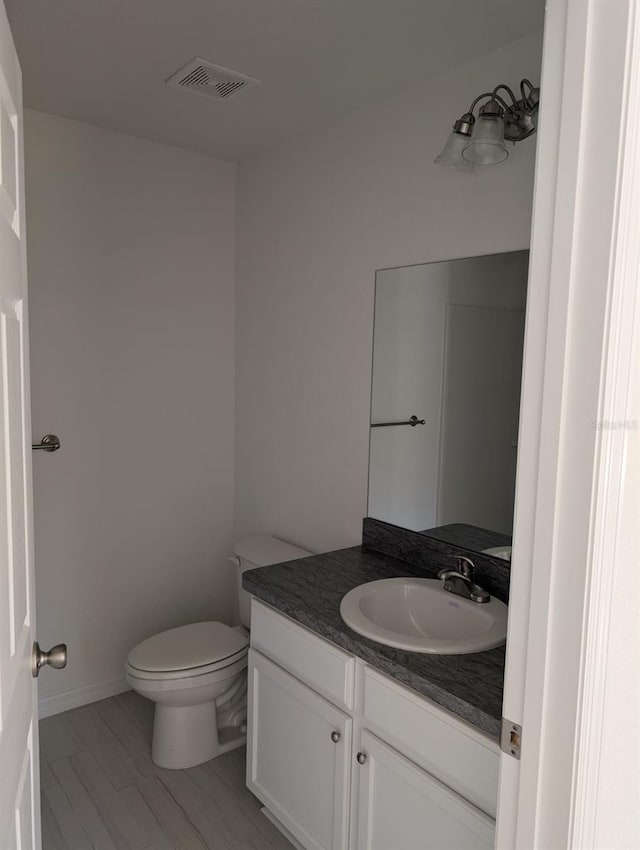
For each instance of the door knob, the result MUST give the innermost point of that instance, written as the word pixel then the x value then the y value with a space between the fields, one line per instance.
pixel 361 758
pixel 56 657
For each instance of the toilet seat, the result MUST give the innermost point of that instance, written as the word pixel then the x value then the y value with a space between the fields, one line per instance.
pixel 186 651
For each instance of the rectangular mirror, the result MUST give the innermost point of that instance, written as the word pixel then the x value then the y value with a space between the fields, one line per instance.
pixel 447 351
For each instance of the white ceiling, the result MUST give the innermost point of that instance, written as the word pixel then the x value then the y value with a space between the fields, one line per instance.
pixel 105 61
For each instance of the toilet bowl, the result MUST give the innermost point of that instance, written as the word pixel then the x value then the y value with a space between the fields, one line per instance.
pixel 191 673
pixel 196 674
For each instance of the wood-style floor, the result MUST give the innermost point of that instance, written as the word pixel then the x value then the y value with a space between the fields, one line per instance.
pixel 101 791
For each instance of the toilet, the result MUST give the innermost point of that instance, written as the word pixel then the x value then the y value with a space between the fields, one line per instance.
pixel 196 674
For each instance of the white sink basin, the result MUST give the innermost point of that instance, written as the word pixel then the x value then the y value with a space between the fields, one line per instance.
pixel 418 614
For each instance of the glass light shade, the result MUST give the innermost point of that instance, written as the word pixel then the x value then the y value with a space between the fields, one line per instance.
pixel 486 146
pixel 451 154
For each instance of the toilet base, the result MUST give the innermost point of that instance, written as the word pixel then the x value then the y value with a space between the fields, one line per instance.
pixel 187 735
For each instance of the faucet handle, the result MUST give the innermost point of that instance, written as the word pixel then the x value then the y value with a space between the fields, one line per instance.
pixel 466 567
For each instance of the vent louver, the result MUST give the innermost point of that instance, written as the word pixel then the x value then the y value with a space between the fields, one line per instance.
pixel 203 77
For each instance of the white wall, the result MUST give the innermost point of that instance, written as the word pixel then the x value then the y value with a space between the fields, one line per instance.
pixel 131 275
pixel 408 344
pixel 316 218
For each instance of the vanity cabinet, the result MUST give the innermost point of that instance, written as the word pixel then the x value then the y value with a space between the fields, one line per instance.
pixel 299 756
pixel 401 807
pixel 347 759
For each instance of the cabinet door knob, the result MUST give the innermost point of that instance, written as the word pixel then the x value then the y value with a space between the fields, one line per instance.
pixel 361 758
pixel 335 737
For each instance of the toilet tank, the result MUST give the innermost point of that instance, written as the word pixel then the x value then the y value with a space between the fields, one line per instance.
pixel 260 550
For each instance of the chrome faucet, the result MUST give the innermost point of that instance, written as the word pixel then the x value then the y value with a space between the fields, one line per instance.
pixel 460 581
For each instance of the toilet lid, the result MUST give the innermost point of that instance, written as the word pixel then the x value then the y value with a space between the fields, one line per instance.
pixel 187 647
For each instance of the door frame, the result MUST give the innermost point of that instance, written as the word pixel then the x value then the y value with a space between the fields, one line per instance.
pixel 575 544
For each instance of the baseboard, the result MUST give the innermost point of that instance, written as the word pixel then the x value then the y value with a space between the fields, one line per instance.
pixel 57 703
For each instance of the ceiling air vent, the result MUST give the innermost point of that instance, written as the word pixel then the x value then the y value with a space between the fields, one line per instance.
pixel 203 77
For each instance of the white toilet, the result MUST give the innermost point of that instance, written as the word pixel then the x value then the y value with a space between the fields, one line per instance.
pixel 196 674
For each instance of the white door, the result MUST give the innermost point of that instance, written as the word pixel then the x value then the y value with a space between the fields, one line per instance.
pixel 401 807
pixel 19 776
pixel 480 402
pixel 298 756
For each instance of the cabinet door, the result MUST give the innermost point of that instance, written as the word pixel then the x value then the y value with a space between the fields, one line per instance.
pixel 402 807
pixel 298 756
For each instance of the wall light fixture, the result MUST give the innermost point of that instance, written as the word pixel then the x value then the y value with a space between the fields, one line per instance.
pixel 482 140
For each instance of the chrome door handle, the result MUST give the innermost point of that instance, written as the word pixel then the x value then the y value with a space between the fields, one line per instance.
pixel 361 758
pixel 56 657
pixel 335 737
pixel 49 443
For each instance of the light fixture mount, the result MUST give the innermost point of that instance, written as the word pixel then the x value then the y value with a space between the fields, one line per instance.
pixel 464 124
pixel 492 107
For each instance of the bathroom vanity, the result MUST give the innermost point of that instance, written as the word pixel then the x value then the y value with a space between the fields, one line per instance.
pixel 354 740
pixel 352 744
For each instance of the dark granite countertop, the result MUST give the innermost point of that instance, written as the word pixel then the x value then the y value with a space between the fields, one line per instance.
pixel 310 590
pixel 467 536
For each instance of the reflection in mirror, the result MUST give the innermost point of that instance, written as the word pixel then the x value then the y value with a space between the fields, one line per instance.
pixel 447 349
